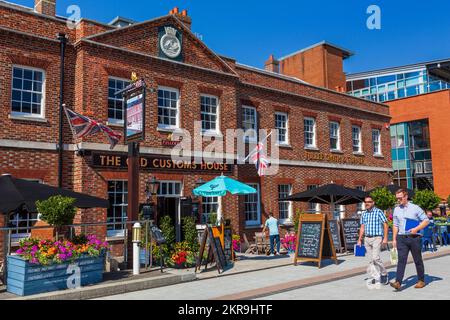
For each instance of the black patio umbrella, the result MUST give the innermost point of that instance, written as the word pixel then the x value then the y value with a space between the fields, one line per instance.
pixel 331 194
pixel 393 188
pixel 17 192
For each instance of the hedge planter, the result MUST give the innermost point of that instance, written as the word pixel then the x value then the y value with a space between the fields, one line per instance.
pixel 26 279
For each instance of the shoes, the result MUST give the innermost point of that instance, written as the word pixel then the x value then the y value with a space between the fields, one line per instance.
pixel 396 285
pixel 420 285
pixel 384 280
pixel 370 284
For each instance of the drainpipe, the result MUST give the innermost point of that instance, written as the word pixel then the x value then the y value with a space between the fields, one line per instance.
pixel 63 41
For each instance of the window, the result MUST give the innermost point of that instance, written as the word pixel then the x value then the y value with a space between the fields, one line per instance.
pixel 285 207
pixel 169 188
pixel 210 114
pixel 252 207
pixel 209 205
pixel 281 124
pixel 249 123
pixel 356 130
pixel 361 206
pixel 376 137
pixel 21 222
pixel 335 140
pixel 428 167
pixel 419 167
pixel 313 207
pixel 115 103
pixel 28 92
pixel 168 108
pixel 310 132
pixel 117 213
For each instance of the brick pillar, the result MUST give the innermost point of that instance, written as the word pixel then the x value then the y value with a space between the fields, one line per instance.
pixel 272 64
pixel 47 7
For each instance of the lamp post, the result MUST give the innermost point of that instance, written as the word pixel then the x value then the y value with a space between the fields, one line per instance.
pixel 137 238
pixel 151 190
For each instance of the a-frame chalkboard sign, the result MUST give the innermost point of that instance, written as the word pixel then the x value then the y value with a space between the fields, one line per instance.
pixel 215 251
pixel 314 240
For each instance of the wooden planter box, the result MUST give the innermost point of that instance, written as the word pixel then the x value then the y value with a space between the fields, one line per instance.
pixel 26 279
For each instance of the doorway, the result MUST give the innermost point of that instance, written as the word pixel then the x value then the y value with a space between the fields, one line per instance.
pixel 169 195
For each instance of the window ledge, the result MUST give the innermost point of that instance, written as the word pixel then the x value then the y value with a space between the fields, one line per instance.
pixel 359 154
pixel 212 134
pixel 312 149
pixel 168 130
pixel 284 145
pixel 115 124
pixel 380 156
pixel 117 238
pixel 255 226
pixel 24 118
pixel 337 151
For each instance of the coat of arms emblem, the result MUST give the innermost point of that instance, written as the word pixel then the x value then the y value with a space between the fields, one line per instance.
pixel 170 44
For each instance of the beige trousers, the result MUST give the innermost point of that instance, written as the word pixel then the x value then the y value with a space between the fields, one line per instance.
pixel 376 267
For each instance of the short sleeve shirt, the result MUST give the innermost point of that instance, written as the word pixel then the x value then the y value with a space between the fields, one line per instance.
pixel 410 211
pixel 272 224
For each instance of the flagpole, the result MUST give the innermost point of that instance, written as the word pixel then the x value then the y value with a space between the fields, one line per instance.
pixel 254 151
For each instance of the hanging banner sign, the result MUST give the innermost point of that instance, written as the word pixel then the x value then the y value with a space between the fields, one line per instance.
pixel 134 102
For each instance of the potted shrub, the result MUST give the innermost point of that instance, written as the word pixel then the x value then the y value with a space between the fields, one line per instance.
pixel 427 200
pixel 385 201
pixel 57 211
pixel 45 265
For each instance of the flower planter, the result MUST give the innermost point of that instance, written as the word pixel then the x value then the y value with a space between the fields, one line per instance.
pixel 26 279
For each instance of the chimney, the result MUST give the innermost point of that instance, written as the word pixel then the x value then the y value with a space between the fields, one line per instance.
pixel 183 16
pixel 321 64
pixel 47 7
pixel 272 64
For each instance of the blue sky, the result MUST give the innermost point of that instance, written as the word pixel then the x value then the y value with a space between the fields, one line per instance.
pixel 249 31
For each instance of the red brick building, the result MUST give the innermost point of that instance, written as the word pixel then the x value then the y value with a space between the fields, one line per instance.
pixel 186 82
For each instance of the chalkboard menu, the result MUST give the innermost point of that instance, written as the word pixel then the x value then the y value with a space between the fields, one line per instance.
pixel 350 230
pixel 309 240
pixel 314 242
pixel 228 244
pixel 222 262
pixel 335 234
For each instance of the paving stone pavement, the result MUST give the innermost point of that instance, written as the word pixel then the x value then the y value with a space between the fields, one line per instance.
pixel 438 280
pixel 231 286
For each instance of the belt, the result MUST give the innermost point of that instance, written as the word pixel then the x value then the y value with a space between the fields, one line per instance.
pixel 410 236
pixel 373 236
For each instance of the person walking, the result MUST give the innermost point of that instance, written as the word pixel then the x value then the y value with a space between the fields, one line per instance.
pixel 408 240
pixel 375 228
pixel 274 233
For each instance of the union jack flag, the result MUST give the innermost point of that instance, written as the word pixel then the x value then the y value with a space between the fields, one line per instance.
pixel 260 160
pixel 83 126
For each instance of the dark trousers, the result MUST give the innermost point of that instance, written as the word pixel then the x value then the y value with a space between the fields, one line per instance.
pixel 404 246
pixel 272 242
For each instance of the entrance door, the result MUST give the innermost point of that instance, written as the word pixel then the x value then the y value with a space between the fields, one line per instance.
pixel 169 195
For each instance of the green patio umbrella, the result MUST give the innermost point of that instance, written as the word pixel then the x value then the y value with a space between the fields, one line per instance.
pixel 220 186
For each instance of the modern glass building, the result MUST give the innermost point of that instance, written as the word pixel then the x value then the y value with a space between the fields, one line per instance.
pixel 396 83
pixel 407 90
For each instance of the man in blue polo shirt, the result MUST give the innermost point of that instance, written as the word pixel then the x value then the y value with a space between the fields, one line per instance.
pixel 274 232
pixel 408 240
pixel 375 228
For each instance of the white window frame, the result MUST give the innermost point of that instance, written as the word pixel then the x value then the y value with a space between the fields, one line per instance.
pixel 318 207
pixel 206 201
pixel 338 144
pixel 419 168
pixel 118 232
pixel 177 125
pixel 170 195
pixel 289 219
pixel 314 133
pixel 376 152
pixel 248 138
pixel 114 120
pixel 359 139
pixel 286 116
pixel 428 167
pixel 41 115
pixel 257 222
pixel 216 131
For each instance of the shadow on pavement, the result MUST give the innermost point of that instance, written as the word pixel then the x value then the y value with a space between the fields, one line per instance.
pixel 264 258
pixel 412 281
pixel 325 263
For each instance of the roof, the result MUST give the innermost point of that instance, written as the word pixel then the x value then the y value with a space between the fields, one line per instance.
pixel 372 73
pixel 347 53
pixel 121 19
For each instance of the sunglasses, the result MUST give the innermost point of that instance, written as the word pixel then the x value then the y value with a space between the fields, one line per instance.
pixel 368 201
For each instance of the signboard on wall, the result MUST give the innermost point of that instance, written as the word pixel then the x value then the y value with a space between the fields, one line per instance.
pixel 162 163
